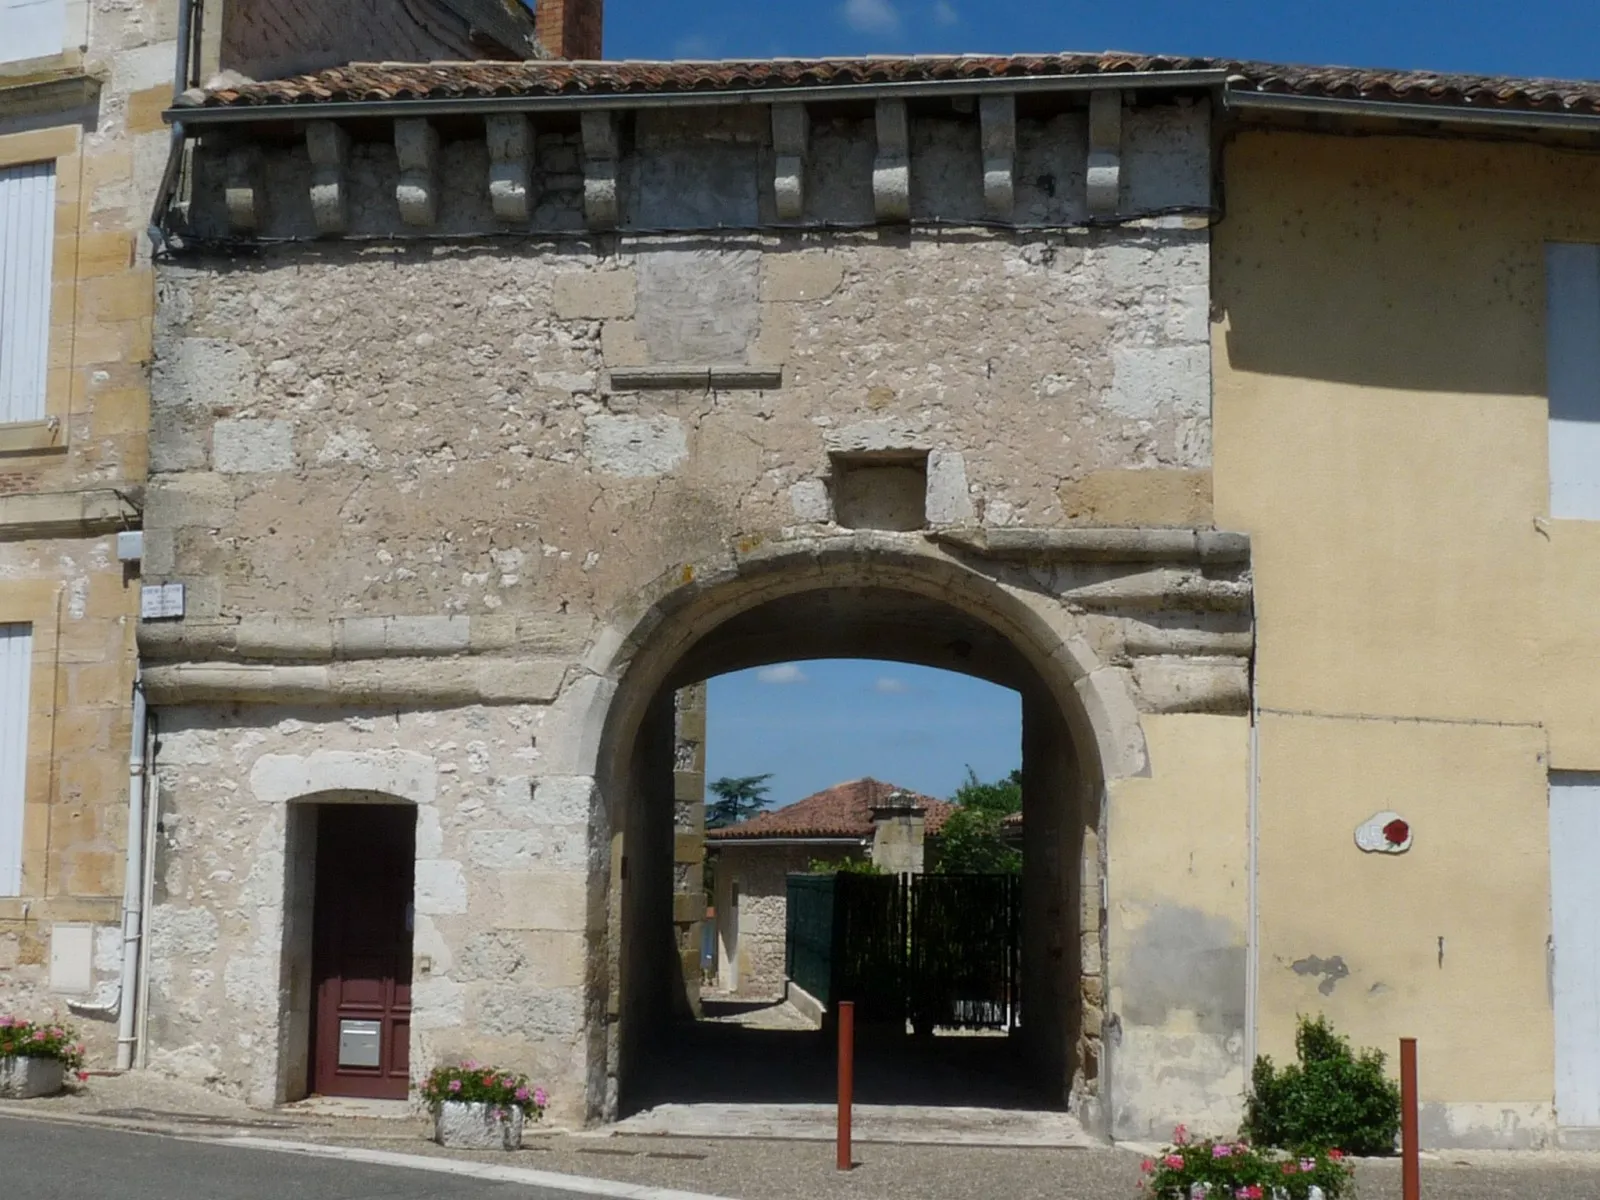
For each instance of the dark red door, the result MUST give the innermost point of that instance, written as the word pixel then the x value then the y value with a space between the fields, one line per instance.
pixel 361 957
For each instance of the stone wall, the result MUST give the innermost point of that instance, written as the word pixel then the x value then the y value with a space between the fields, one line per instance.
pixel 474 478
pixel 505 923
pixel 761 874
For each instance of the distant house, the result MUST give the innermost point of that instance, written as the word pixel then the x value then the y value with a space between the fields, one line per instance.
pixel 865 819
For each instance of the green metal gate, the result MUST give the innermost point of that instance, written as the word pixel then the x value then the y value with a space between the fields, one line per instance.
pixel 942 951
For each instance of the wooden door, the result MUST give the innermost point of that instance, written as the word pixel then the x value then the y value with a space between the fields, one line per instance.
pixel 361 957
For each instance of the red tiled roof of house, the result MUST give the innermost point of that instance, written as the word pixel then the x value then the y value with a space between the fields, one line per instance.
pixel 844 810
pixel 360 82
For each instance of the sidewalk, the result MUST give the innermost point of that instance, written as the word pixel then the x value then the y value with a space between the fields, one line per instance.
pixel 753 1169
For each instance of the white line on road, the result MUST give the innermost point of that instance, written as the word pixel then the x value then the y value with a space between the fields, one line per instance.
pixel 576 1185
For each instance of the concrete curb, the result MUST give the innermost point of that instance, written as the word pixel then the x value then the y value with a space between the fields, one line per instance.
pixel 576 1185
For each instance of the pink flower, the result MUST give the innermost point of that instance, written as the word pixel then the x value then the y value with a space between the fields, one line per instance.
pixel 1221 1150
pixel 540 1098
pixel 1336 1155
pixel 1307 1165
pixel 1175 1161
pixel 455 1085
pixel 83 1076
pixel 1148 1165
pixel 469 1065
pixel 1253 1192
pixel 1180 1135
pixel 522 1093
pixel 488 1079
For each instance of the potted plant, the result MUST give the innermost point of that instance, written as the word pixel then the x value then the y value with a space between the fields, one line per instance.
pixel 1212 1169
pixel 481 1108
pixel 34 1059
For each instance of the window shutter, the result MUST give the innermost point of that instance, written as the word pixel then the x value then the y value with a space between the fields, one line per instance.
pixel 16 661
pixel 32 29
pixel 27 235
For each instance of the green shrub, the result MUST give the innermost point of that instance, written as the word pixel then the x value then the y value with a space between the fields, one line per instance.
pixel 1332 1097
pixel 844 866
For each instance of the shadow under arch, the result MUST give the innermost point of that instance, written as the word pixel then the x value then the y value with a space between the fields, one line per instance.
pixel 874 595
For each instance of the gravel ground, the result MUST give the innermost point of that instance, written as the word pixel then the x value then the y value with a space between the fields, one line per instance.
pixel 744 1169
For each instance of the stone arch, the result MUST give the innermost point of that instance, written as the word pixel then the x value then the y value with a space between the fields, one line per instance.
pixel 1079 710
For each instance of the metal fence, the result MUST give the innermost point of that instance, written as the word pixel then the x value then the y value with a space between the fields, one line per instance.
pixel 940 951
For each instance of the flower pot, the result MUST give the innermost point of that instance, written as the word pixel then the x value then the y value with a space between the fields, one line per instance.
pixel 478 1126
pixel 27 1078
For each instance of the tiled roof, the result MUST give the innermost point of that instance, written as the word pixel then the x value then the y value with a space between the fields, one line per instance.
pixel 484 80
pixel 844 810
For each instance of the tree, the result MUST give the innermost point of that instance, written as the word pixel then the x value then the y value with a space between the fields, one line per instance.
pixel 972 839
pixel 737 799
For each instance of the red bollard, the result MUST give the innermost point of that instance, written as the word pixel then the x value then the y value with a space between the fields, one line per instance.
pixel 847 1078
pixel 1411 1163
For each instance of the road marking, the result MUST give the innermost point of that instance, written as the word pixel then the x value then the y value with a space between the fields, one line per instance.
pixel 576 1185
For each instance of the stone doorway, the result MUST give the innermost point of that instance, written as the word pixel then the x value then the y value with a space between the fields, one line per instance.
pixel 869 610
pixel 361 950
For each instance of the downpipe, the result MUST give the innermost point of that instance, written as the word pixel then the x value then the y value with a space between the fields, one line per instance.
pixel 133 883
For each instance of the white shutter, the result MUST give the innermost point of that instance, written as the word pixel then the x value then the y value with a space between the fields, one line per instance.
pixel 16 660
pixel 1572 277
pixel 32 29
pixel 1574 901
pixel 27 235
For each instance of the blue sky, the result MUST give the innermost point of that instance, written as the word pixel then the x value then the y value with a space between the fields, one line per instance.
pixel 814 724
pixel 1535 37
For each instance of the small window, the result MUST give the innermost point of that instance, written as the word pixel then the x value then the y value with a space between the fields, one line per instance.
pixel 32 28
pixel 27 235
pixel 16 661
pixel 1573 320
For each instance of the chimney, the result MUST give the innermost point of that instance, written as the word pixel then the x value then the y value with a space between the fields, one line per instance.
pixel 570 29
pixel 898 827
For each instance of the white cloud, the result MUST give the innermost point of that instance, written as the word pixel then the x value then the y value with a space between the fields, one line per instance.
pixel 782 673
pixel 871 16
pixel 890 686
pixel 694 45
pixel 944 13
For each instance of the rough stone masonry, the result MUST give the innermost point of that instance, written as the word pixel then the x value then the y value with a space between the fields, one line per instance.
pixel 450 456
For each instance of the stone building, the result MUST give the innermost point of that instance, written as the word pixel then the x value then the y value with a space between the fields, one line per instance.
pixel 83 154
pixel 864 820
pixel 500 402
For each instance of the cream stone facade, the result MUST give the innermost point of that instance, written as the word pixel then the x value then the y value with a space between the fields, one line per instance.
pixel 88 118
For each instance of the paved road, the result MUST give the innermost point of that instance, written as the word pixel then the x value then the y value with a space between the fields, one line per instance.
pixel 44 1160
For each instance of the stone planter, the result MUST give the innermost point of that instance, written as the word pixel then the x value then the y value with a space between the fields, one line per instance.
pixel 478 1127
pixel 27 1078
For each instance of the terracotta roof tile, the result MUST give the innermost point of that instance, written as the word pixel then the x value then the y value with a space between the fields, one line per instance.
pixel 844 810
pixel 483 80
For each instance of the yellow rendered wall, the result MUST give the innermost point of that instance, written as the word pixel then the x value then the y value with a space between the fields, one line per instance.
pixel 1427 636
pixel 1177 928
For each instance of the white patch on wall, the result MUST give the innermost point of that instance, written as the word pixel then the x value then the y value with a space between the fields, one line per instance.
pixel 71 958
pixel 1385 833
pixel 635 447
pixel 1573 312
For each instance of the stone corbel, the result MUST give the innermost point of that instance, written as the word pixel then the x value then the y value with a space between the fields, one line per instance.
pixel 416 146
pixel 600 206
pixel 329 148
pixel 510 166
pixel 891 172
pixel 242 191
pixel 1105 152
pixel 791 136
pixel 998 116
